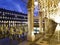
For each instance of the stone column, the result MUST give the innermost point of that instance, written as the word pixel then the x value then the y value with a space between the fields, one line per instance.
pixel 40 22
pixel 30 35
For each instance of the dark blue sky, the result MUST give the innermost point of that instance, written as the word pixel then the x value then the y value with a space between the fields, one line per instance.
pixel 15 5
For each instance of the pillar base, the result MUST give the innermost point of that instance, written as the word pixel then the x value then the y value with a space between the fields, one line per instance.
pixel 31 37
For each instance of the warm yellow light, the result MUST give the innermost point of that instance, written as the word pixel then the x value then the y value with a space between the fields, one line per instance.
pixel 57 19
pixel 43 9
pixel 59 4
pixel 32 33
pixel 58 28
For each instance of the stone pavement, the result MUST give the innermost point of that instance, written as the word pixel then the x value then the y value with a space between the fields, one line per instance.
pixel 38 36
pixel 40 41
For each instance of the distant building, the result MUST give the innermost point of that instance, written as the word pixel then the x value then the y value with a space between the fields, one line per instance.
pixel 12 15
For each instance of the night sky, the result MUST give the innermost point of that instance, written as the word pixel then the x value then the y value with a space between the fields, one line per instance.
pixel 16 5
